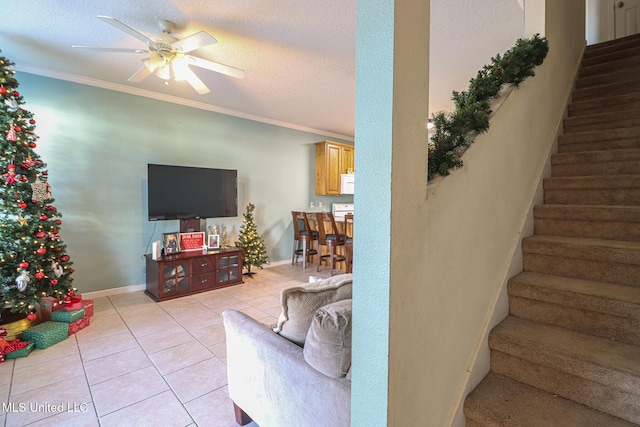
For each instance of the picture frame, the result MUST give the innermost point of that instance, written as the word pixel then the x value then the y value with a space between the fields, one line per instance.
pixel 192 241
pixel 171 243
pixel 214 241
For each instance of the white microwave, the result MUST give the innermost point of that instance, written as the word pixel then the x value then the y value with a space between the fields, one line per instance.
pixel 347 183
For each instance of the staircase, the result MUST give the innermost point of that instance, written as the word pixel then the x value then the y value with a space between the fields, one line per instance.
pixel 568 354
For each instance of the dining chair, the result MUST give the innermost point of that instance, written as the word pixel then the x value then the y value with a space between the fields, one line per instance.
pixel 329 237
pixel 303 238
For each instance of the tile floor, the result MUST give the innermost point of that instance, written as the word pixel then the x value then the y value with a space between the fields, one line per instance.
pixel 142 363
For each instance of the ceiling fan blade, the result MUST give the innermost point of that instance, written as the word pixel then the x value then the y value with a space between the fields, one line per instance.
pixel 110 49
pixel 217 67
pixel 194 41
pixel 127 29
pixel 140 75
pixel 195 81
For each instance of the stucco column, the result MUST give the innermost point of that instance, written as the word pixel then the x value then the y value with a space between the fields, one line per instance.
pixel 392 61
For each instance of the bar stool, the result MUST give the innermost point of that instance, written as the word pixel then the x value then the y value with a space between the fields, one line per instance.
pixel 348 244
pixel 331 239
pixel 302 235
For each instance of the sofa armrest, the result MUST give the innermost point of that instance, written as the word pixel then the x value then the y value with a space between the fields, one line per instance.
pixel 269 379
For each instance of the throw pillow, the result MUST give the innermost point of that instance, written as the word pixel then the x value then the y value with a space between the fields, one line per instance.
pixel 328 344
pixel 300 302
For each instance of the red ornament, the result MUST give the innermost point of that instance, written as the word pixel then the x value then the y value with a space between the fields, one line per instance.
pixel 71 270
pixel 32 144
pixel 54 231
pixel 41 234
pixel 22 205
pixel 64 258
pixel 39 275
pixel 58 222
pixel 33 122
pixel 18 128
pixel 24 264
pixel 53 282
pixel 41 251
pixel 43 217
pixel 16 93
pixel 34 201
pixel 3 90
pixel 57 249
pixel 23 178
pixel 31 317
pixel 45 173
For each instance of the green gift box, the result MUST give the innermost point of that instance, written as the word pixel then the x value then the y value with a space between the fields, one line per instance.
pixel 47 334
pixel 70 316
pixel 23 352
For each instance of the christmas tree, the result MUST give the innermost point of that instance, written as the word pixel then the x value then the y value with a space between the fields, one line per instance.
pixel 254 252
pixel 33 258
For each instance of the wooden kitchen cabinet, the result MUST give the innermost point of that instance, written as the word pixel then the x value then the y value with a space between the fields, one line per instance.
pixel 332 160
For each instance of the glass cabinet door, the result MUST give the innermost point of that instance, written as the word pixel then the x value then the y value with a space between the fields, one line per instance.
pixel 228 270
pixel 175 278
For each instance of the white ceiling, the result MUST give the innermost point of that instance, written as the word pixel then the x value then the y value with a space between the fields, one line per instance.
pixel 299 55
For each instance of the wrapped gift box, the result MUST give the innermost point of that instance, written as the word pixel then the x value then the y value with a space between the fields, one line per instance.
pixel 78 324
pixel 47 334
pixel 50 303
pixel 66 315
pixel 23 352
pixel 88 307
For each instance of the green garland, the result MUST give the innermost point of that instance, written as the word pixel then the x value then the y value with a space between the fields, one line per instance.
pixel 454 131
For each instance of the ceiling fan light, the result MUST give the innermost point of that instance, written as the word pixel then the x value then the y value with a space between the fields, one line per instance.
pixel 180 70
pixel 163 72
pixel 154 61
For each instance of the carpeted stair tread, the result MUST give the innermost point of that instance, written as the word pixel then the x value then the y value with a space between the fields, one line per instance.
pixel 600 140
pixel 593 190
pixel 603 48
pixel 630 214
pixel 619 87
pixel 596 359
pixel 608 67
pixel 618 222
pixel 501 401
pixel 605 104
pixel 617 251
pixel 608 298
pixel 593 182
pixel 629 51
pixel 599 121
pixel 612 261
pixel 597 308
pixel 625 161
pixel 607 78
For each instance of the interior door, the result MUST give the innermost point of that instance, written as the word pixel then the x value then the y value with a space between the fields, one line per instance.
pixel 627 17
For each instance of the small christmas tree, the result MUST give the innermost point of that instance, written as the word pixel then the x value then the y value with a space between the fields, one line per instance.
pixel 252 244
pixel 33 259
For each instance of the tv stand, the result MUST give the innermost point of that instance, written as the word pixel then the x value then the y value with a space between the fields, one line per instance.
pixel 187 273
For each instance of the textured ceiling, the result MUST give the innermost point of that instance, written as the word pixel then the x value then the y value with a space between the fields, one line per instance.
pixel 299 56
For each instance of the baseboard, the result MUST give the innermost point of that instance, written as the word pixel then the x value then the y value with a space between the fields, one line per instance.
pixel 113 291
pixel 277 263
pixel 142 287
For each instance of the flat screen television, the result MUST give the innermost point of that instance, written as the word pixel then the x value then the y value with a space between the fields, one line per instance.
pixel 182 192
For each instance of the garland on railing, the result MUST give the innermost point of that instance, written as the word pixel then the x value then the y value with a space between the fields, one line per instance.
pixel 454 131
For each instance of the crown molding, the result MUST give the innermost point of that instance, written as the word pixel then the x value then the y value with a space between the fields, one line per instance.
pixel 74 78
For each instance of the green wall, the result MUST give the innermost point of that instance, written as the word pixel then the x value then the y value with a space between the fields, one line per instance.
pixel 97 144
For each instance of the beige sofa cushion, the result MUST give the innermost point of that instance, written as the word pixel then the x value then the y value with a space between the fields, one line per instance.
pixel 328 344
pixel 299 303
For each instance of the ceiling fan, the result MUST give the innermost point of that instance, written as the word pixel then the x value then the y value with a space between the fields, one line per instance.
pixel 168 55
